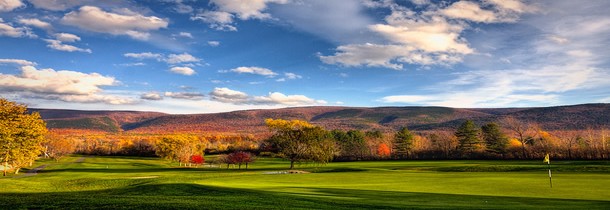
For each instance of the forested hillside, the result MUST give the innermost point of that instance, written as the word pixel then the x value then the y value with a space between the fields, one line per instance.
pixel 380 118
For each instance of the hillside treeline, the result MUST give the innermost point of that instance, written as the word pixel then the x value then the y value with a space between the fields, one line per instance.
pixel 506 139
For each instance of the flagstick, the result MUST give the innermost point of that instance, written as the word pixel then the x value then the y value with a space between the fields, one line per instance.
pixel 550 177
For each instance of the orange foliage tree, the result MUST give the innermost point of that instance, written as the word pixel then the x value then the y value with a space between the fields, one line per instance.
pixel 383 150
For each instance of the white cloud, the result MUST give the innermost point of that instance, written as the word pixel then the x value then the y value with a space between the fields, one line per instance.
pixel 132 64
pixel 214 43
pixel 227 95
pixel 56 82
pixel 19 62
pixel 66 37
pixel 516 6
pixel 469 11
pixel 185 95
pixel 183 70
pixel 6 29
pixel 292 76
pixel 153 96
pixel 186 34
pixel 35 23
pixel 58 5
pixel 388 56
pixel 183 8
pixel 94 98
pixel 289 76
pixel 181 58
pixel 291 100
pixel 64 85
pixel 95 19
pixel 10 5
pixel 244 9
pixel 185 59
pixel 502 88
pixel 254 70
pixel 144 55
pixel 226 10
pixel 58 45
pixel 432 36
pixel 558 39
pixel 218 20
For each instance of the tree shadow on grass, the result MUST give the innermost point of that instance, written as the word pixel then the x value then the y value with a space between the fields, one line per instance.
pixel 146 195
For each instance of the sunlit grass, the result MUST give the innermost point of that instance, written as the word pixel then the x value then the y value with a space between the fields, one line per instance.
pixel 128 182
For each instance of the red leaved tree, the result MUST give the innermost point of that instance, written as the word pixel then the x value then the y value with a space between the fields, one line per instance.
pixel 197 159
pixel 241 158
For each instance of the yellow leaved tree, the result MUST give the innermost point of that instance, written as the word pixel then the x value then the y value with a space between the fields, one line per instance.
pixel 21 136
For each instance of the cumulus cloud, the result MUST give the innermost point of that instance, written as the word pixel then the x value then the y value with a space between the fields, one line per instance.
pixel 469 11
pixel 35 23
pixel 66 37
pixel 226 10
pixel 7 29
pixel 291 100
pixel 58 5
pixel 64 85
pixel 58 45
pixel 130 24
pixel 57 82
pixel 170 59
pixel 514 6
pixel 182 70
pixel 94 98
pixel 181 58
pixel 227 95
pixel 153 96
pixel 217 20
pixel 18 62
pixel 185 95
pixel 254 70
pixel 432 36
pixel 10 5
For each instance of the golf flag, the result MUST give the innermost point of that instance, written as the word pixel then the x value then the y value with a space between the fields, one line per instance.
pixel 548 161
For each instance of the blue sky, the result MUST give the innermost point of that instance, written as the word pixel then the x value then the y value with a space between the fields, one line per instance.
pixel 189 56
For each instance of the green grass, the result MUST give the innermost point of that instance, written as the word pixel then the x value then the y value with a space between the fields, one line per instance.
pixel 150 183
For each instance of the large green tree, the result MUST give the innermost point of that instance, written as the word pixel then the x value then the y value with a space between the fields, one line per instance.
pixel 495 141
pixel 299 141
pixel 21 135
pixel 403 143
pixel 352 144
pixel 468 137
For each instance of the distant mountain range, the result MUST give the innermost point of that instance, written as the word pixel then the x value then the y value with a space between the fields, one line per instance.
pixel 381 118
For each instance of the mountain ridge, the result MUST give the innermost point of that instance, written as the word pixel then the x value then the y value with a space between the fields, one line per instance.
pixel 579 116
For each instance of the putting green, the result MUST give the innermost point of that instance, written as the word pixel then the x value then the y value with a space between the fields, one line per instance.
pixel 135 183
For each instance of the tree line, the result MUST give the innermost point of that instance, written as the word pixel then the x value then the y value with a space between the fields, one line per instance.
pixel 509 138
pixel 24 137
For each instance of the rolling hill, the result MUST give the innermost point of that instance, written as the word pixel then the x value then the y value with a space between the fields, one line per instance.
pixel 381 118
